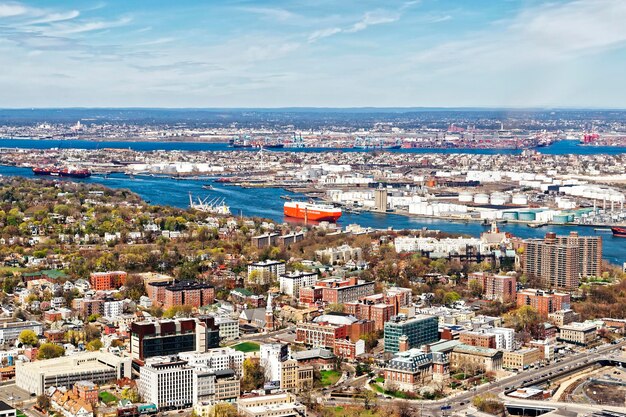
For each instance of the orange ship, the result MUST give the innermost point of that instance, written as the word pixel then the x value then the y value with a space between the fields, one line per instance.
pixel 311 211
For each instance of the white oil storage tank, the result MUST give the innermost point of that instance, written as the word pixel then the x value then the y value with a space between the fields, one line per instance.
pixel 481 199
pixel 465 197
pixel 519 199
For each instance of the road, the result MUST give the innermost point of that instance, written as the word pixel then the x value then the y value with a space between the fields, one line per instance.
pixel 462 400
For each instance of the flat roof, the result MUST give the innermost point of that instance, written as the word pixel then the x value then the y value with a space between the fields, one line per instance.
pixel 73 364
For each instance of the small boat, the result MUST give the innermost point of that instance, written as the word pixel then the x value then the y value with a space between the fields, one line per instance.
pixel 619 231
pixel 207 186
pixel 535 225
pixel 285 197
pixel 602 229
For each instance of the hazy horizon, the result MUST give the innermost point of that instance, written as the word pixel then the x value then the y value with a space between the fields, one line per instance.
pixel 275 54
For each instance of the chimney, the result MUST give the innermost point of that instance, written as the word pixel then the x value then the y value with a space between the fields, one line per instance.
pixel 403 343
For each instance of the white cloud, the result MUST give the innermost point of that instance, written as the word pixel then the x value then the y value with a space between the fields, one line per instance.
pixel 323 33
pixel 12 9
pixel 376 17
pixel 272 13
pixel 550 33
pixel 89 26
pixel 371 18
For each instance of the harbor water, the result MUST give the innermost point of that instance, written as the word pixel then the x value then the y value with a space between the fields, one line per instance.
pixel 266 203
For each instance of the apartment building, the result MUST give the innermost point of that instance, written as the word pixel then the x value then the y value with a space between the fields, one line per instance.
pixel 340 291
pixel 495 287
pixel 291 283
pixel 106 281
pixel 559 261
pixel 191 293
pixel 545 302
pixel 563 317
pixel 479 339
pixel 266 272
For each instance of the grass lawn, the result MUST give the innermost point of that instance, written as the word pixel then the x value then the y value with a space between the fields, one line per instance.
pixel 246 347
pixel 330 377
pixel 380 379
pixel 20 413
pixel 349 412
pixel 107 397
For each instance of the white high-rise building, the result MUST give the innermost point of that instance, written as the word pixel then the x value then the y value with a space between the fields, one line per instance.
pixel 291 283
pixel 216 359
pixel 505 337
pixel 272 356
pixel 166 383
pixel 113 309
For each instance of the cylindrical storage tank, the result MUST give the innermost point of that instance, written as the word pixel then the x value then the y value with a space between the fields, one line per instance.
pixel 519 199
pixel 498 199
pixel 465 197
pixel 570 217
pixel 510 215
pixel 481 199
pixel 559 218
pixel 528 216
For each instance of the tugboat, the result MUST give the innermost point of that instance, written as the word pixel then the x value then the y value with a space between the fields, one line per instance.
pixel 618 231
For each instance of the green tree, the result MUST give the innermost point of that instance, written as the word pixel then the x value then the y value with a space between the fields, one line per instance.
pixel 476 288
pixel 95 344
pixel 43 402
pixel 130 394
pixel 50 350
pixel 253 375
pixel 28 337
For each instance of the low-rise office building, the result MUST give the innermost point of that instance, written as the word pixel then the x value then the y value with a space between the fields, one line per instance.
pixel 521 359
pixel 97 367
pixel 474 359
pixel 578 333
pixel 273 405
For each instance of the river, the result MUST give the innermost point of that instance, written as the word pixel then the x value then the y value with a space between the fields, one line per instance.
pixel 266 202
pixel 557 148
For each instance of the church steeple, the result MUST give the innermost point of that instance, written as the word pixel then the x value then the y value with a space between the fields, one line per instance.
pixel 269 314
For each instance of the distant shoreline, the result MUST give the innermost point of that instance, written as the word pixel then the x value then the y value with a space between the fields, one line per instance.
pixel 186 139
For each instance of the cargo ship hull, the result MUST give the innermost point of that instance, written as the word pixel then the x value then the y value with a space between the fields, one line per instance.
pixel 619 231
pixel 74 173
pixel 311 212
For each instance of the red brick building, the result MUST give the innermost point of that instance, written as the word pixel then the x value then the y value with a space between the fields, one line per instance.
pixel 105 281
pixel 195 294
pixel 501 288
pixel 545 302
pixel 328 329
pixel 478 339
pixel 336 291
pixel 86 391
pixel 378 313
pixel 311 295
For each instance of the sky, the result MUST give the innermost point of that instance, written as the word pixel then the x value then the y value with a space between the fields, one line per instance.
pixel 313 53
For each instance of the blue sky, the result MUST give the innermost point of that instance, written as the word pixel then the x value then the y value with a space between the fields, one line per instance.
pixel 341 53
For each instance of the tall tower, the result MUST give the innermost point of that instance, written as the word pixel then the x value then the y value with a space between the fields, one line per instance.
pixel 380 198
pixel 269 314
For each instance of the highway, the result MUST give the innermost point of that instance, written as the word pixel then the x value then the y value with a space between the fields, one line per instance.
pixel 462 400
